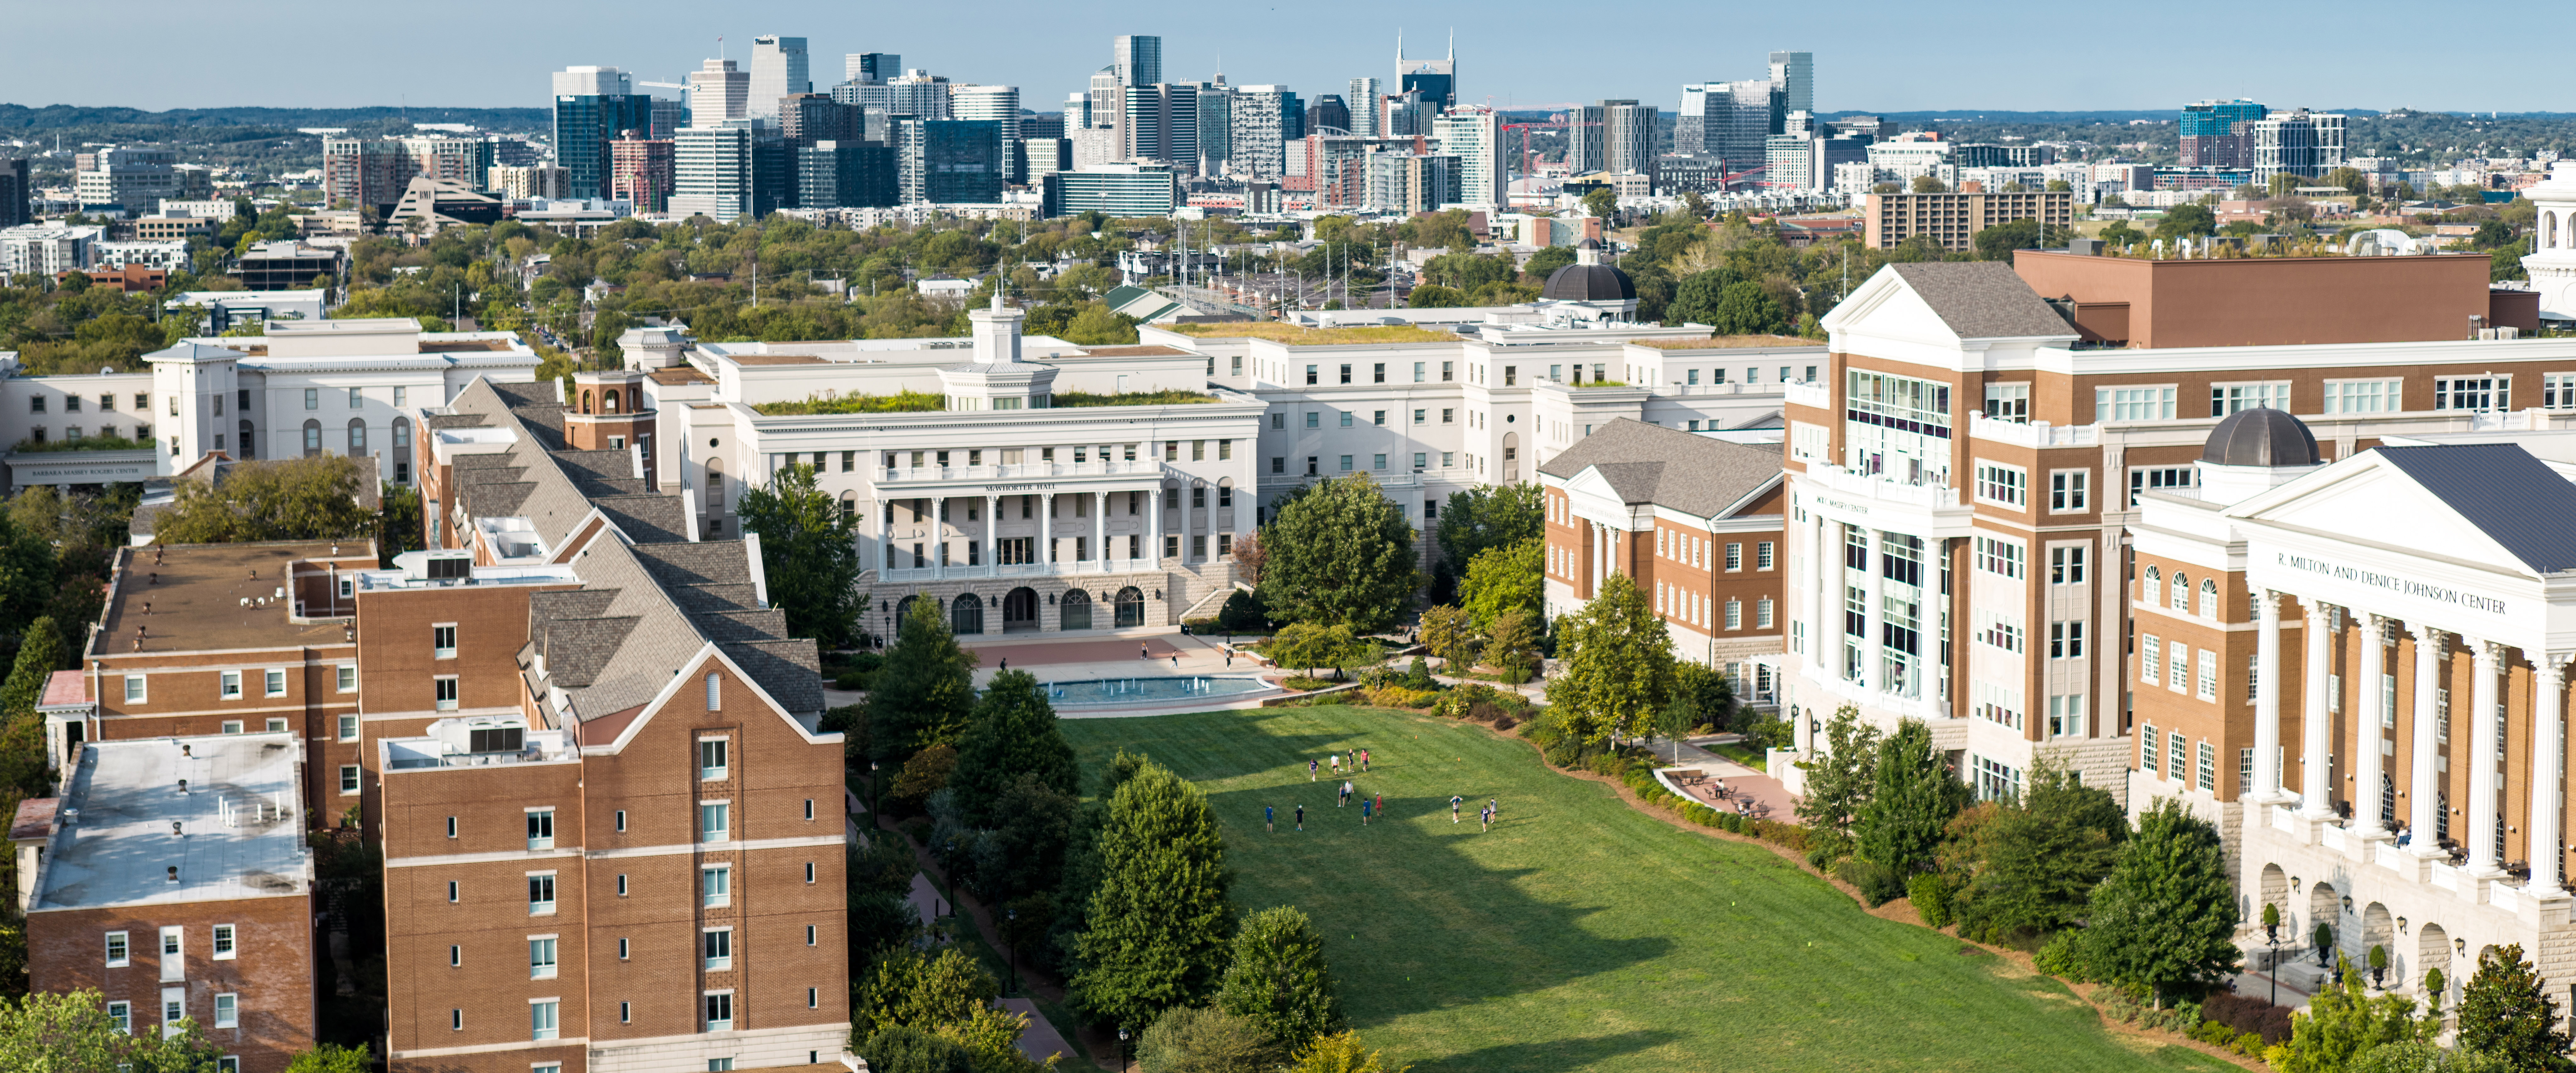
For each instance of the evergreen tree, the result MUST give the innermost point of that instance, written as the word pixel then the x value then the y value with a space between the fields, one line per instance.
pixel 1618 669
pixel 1839 782
pixel 1199 1040
pixel 927 689
pixel 1450 635
pixel 1278 979
pixel 1011 732
pixel 2033 863
pixel 1159 923
pixel 39 656
pixel 1338 552
pixel 807 553
pixel 2166 917
pixel 2506 1011
pixel 1913 797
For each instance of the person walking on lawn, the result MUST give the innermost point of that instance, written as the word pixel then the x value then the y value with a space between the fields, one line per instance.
pixel 1364 760
pixel 1311 765
pixel 1269 819
pixel 1454 802
pixel 1301 817
pixel 1381 801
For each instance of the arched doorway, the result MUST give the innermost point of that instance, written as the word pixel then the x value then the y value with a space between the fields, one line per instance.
pixel 2433 951
pixel 903 614
pixel 585 400
pixel 2276 891
pixel 1020 610
pixel 1511 458
pixel 2323 908
pixel 1131 607
pixel 1074 610
pixel 966 614
pixel 2378 929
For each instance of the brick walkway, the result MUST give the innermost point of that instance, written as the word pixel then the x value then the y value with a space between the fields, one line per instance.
pixel 1771 799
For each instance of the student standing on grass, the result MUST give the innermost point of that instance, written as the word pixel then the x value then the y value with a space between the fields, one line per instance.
pixel 1364 760
pixel 1336 758
pixel 1381 801
pixel 1311 765
pixel 1485 820
pixel 1301 817
pixel 1454 802
pixel 1269 820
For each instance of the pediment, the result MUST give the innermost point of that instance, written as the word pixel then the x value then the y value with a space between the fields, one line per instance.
pixel 2369 502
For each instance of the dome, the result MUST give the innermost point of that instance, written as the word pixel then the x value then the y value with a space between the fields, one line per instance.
pixel 1589 283
pixel 2261 437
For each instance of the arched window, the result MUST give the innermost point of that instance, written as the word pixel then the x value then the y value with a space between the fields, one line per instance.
pixel 2209 597
pixel 2181 592
pixel 357 437
pixel 966 614
pixel 715 691
pixel 312 437
pixel 608 400
pixel 1225 493
pixel 2155 584
pixel 585 400
pixel 850 507
pixel 248 437
pixel 1131 607
pixel 1076 608
pixel 715 486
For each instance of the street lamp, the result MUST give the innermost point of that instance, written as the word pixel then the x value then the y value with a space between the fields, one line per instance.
pixel 1012 915
pixel 2272 939
pixel 1122 1046
pixel 875 793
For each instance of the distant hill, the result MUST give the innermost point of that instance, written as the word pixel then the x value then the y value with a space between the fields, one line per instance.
pixel 20 118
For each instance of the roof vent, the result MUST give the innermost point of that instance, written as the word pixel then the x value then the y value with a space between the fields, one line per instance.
pixel 174 829
pixel 183 788
pixel 174 873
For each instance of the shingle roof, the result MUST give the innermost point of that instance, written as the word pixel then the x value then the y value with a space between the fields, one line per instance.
pixel 1982 299
pixel 2512 497
pixel 1649 463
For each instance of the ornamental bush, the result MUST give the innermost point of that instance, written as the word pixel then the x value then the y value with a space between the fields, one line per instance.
pixel 1930 893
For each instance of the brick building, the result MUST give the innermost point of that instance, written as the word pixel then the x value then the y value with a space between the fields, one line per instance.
pixel 173 877
pixel 1711 563
pixel 1954 218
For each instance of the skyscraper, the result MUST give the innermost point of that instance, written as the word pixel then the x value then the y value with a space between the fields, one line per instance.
pixel 2302 143
pixel 1215 125
pixel 1729 120
pixel 777 69
pixel 719 91
pixel 1362 103
pixel 1162 124
pixel 15 195
pixel 1475 137
pixel 1262 121
pixel 1137 60
pixel 2219 134
pixel 871 66
pixel 999 105
pixel 640 170
pixel 1328 111
pixel 712 170
pixel 948 161
pixel 1437 79
pixel 807 118
pixel 592 104
pixel 1795 74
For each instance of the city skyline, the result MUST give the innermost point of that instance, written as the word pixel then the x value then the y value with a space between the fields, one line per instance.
pixel 1903 70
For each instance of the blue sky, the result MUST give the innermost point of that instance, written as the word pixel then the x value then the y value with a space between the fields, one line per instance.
pixel 1879 55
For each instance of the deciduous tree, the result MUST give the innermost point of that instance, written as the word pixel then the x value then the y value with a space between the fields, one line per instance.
pixel 927 689
pixel 1159 922
pixel 1618 662
pixel 1338 552
pixel 807 554
pixel 1839 782
pixel 313 498
pixel 70 1033
pixel 1195 1039
pixel 2344 1024
pixel 1508 577
pixel 1489 516
pixel 1913 797
pixel 1011 732
pixel 2506 1011
pixel 1278 979
pixel 2165 919
pixel 1450 635
pixel 2032 863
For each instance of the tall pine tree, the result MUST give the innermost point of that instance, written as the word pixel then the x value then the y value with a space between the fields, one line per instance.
pixel 1159 922
pixel 1011 732
pixel 2166 917
pixel 925 692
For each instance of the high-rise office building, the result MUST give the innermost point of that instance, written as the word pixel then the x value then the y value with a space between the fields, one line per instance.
pixel 2302 143
pixel 1475 136
pixel 1613 136
pixel 919 94
pixel 1795 74
pixel 1328 111
pixel 1261 123
pixel 1437 79
pixel 871 66
pixel 777 69
pixel 1077 112
pixel 807 118
pixel 592 106
pixel 2219 134
pixel 719 91
pixel 1042 125
pixel 376 171
pixel 1411 182
pixel 730 170
pixel 1729 120
pixel 1163 124
pixel 1407 114
pixel 1215 125
pixel 16 196
pixel 949 161
pixel 845 175
pixel 126 178
pixel 1136 59
pixel 1000 106
pixel 669 114
pixel 1362 102
pixel 641 170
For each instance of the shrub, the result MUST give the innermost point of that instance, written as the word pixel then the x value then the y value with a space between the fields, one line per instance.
pixel 1513 676
pixel 2118 1006
pixel 855 680
pixel 1877 883
pixel 1199 627
pixel 2249 1044
pixel 1400 697
pixel 2060 957
pixel 1930 893
pixel 1299 681
pixel 1504 723
pixel 2245 1013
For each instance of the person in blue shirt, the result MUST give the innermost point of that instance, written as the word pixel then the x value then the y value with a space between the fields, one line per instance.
pixel 1364 812
pixel 1269 819
pixel 1454 802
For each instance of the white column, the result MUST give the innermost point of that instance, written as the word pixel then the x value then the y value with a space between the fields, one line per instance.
pixel 1826 620
pixel 2267 696
pixel 1154 527
pixel 939 537
pixel 2372 716
pixel 1873 671
pixel 993 532
pixel 1046 532
pixel 2316 724
pixel 2482 758
pixel 2423 784
pixel 1100 527
pixel 2548 748
pixel 885 534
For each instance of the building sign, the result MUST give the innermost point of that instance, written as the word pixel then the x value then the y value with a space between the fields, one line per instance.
pixel 2402 586
pixel 1840 505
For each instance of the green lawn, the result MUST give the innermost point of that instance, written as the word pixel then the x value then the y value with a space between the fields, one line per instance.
pixel 1581 934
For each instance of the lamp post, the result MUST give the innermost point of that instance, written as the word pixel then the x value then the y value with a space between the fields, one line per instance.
pixel 2272 939
pixel 1122 1046
pixel 1013 916
pixel 875 793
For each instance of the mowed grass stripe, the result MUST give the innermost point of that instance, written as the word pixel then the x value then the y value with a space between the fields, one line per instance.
pixel 1579 933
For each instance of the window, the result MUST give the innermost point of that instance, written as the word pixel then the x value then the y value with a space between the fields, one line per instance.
pixel 451 827
pixel 312 398
pixel 2133 403
pixel 720 1003
pixel 116 950
pixel 275 680
pixel 348 679
pixel 1278 464
pixel 121 1015
pixel 2149 742
pixel 711 758
pixel 443 692
pixel 715 821
pixel 2208 598
pixel 2472 393
pixel 541 1019
pixel 541 828
pixel 715 886
pixel 2066 640
pixel 1448 416
pixel 348 780
pixel 2558 391
pixel 1734 557
pixel 227 1011
pixel 134 689
pixel 1310 375
pixel 541 893
pixel 1762 614
pixel 2178 667
pixel 541 958
pixel 2181 592
pixel 1346 374
pixel 2008 402
pixel 1734 614
pixel 2383 396
pixel 2068 491
pixel 1346 463
pixel 2001 484
pixel 1762 555
pixel 2208 771
pixel 2000 557
pixel 1314 419
pixel 231 685
pixel 2000 630
pixel 719 948
pixel 232 726
pixel 442 641
pixel 2177 755
pixel 1347 417
pixel 2225 399
pixel 2208 675
pixel 451 886
pixel 2147 479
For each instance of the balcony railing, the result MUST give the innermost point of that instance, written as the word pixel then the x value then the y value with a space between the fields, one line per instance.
pixel 2033 433
pixel 915 574
pixel 1722 389
pixel 1816 394
pixel 1838 479
pixel 1015 471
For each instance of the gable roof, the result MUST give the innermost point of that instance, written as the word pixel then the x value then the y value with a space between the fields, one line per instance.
pixel 2511 496
pixel 1648 463
pixel 1982 299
